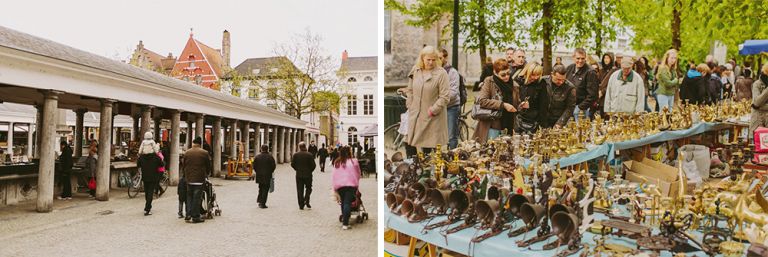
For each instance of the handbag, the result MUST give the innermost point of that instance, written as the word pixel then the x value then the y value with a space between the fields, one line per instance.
pixel 761 140
pixel 522 125
pixel 480 113
pixel 92 184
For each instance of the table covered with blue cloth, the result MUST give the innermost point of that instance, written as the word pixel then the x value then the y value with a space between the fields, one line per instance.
pixel 501 244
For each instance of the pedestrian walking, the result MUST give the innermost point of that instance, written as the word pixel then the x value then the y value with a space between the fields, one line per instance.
pixel 584 78
pixel 322 153
pixel 149 162
pixel 668 80
pixel 498 93
pixel 428 96
pixel 182 192
pixel 197 166
pixel 625 92
pixel 313 149
pixel 264 166
pixel 90 168
pixel 345 180
pixel 334 153
pixel 66 163
pixel 303 163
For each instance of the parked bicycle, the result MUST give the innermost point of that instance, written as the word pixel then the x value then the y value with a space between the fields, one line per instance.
pixel 137 185
pixel 394 141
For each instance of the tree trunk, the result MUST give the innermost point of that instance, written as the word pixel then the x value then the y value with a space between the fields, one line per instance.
pixel 455 43
pixel 481 32
pixel 598 31
pixel 547 36
pixel 676 43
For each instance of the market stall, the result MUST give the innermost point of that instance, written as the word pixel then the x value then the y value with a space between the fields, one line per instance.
pixel 534 195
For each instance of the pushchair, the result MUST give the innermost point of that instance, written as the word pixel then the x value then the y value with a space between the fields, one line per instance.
pixel 358 209
pixel 210 205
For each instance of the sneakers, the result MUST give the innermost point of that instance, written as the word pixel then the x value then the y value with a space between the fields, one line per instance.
pixel 64 198
pixel 345 227
pixel 147 213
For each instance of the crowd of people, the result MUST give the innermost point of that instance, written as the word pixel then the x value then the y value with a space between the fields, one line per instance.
pixel 514 96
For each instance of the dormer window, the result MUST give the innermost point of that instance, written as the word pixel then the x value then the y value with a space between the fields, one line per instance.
pixel 368 78
pixel 255 71
pixel 351 79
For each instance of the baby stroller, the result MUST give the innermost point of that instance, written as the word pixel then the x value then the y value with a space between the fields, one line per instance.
pixel 210 205
pixel 358 209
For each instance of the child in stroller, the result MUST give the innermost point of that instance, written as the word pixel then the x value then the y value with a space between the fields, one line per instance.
pixel 358 209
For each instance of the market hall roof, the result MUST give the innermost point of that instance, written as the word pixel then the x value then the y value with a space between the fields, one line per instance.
pixel 32 62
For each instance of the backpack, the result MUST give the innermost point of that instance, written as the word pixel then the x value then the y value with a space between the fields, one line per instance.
pixel 462 86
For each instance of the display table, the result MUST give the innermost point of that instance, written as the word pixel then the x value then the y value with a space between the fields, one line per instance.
pixel 499 245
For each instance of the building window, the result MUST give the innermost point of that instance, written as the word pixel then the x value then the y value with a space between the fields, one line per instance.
pixel 351 135
pixel 198 79
pixel 351 79
pixel 387 31
pixel 351 105
pixel 255 71
pixel 367 104
pixel 368 78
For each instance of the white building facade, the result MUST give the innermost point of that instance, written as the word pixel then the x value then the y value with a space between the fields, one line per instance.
pixel 358 104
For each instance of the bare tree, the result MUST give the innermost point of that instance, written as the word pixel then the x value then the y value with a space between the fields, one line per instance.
pixel 301 70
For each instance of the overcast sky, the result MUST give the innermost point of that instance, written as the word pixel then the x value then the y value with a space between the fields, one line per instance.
pixel 114 28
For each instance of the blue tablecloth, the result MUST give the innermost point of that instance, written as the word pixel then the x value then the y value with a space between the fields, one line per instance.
pixel 499 245
pixel 609 149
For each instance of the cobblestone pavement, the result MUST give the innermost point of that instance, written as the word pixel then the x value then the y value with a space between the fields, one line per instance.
pixel 117 227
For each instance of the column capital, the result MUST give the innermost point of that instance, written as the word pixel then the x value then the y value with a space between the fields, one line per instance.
pixel 81 111
pixel 147 107
pixel 174 111
pixel 51 94
pixel 216 118
pixel 107 101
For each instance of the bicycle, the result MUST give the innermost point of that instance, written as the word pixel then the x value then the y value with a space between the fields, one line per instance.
pixel 137 185
pixel 397 139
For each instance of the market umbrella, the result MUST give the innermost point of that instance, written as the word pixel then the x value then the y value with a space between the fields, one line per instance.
pixel 753 47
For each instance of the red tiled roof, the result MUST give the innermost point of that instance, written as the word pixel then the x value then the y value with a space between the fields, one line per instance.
pixel 213 56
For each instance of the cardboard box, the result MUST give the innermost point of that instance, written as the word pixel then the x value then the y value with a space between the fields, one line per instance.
pixel 659 174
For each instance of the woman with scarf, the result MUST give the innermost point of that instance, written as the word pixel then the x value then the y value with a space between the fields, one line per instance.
pixel 149 162
pixel 498 93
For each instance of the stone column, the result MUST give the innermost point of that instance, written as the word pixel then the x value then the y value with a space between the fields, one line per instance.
pixel 47 152
pixel 278 144
pixel 233 138
pixel 158 135
pixel 216 146
pixel 80 116
pixel 175 140
pixel 257 138
pixel 188 143
pixel 135 130
pixel 246 137
pixel 10 140
pixel 146 116
pixel 291 143
pixel 30 141
pixel 200 127
pixel 38 127
pixel 286 147
pixel 105 150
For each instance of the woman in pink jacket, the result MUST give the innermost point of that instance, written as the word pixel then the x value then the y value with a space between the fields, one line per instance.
pixel 346 179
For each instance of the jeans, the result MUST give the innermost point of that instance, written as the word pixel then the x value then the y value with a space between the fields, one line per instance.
pixel 263 192
pixel 576 110
pixel 493 133
pixel 347 195
pixel 453 126
pixel 303 190
pixel 194 200
pixel 665 101
pixel 149 194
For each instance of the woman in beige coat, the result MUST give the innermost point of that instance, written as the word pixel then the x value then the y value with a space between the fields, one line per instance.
pixel 498 93
pixel 428 94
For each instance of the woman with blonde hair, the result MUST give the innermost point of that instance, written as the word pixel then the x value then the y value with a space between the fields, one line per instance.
pixel 428 94
pixel 533 97
pixel 668 80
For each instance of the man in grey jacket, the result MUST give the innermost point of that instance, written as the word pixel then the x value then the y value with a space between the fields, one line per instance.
pixel 626 91
pixel 454 105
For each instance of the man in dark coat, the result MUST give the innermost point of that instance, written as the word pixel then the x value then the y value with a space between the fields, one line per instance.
pixel 263 166
pixel 323 154
pixel 313 149
pixel 197 166
pixel 66 163
pixel 304 164
pixel 584 78
pixel 561 99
